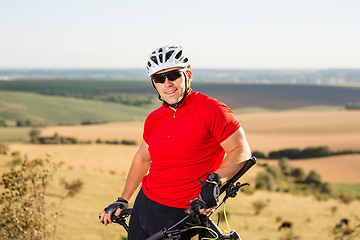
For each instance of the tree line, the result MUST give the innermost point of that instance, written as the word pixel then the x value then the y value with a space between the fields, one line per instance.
pixel 57 139
pixel 296 153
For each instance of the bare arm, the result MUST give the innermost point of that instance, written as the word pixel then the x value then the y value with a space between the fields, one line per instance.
pixel 238 151
pixel 139 168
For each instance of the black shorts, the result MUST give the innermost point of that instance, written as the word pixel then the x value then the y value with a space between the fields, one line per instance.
pixel 149 217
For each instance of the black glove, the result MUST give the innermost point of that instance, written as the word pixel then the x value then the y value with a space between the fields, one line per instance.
pixel 120 203
pixel 209 194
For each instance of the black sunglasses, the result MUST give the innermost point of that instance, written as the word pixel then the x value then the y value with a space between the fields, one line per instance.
pixel 171 75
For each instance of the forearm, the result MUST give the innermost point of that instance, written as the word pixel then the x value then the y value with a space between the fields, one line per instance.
pixel 232 163
pixel 138 170
pixel 238 151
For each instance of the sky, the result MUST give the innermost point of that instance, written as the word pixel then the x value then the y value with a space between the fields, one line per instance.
pixel 231 34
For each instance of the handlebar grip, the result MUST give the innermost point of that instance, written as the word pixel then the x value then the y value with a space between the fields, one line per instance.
pixel 159 235
pixel 124 213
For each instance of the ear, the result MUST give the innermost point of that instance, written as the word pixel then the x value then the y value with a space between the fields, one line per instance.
pixel 189 76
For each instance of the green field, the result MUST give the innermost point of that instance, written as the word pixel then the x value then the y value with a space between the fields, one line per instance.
pixel 55 110
pixel 68 102
pixel 348 188
pixel 265 96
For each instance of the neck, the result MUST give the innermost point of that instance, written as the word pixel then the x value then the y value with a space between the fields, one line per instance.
pixel 176 105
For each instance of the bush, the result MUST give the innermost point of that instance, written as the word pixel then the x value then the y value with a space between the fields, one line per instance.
pixel 276 172
pixel 247 190
pixel 259 206
pixel 265 181
pixel 34 134
pixel 23 214
pixel 128 142
pixel 346 198
pixel 285 166
pixel 298 174
pixel 313 178
pixel 3 123
pixel 4 149
pixel 258 154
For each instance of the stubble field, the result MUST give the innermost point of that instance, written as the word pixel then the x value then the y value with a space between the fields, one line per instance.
pixel 103 169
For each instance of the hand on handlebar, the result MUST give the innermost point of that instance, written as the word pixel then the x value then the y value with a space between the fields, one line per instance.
pixel 209 197
pixel 114 208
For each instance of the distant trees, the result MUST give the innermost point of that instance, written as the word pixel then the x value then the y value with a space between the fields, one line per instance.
pixel 114 141
pixel 353 106
pixel 309 152
pixel 23 123
pixel 35 138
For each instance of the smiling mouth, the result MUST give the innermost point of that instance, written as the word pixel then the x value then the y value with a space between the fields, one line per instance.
pixel 171 91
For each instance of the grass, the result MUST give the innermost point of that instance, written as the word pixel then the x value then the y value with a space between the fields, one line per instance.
pixel 14 134
pixel 268 96
pixel 353 189
pixel 312 219
pixel 54 110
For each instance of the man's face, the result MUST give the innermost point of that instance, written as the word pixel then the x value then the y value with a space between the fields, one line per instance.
pixel 173 91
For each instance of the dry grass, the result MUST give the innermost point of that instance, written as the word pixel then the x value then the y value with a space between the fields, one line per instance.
pixel 265 132
pixel 273 131
pixel 98 158
pixel 108 131
pixel 103 170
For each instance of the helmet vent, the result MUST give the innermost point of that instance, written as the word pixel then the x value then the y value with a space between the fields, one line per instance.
pixel 168 55
pixel 178 54
pixel 154 59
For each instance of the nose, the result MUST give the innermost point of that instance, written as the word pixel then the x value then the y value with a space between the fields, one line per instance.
pixel 168 82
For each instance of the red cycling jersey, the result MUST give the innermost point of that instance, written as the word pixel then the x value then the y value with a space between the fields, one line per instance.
pixel 184 146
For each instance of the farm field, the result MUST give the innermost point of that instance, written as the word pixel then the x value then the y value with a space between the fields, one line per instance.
pixel 312 219
pixel 103 170
pixel 266 132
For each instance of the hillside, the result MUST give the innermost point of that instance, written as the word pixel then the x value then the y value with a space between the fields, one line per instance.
pixel 54 110
pixel 279 97
pixel 268 96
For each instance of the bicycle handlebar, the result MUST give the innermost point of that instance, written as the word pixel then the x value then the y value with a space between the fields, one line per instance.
pixel 248 164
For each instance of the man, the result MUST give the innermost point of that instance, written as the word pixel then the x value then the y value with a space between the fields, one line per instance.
pixel 183 141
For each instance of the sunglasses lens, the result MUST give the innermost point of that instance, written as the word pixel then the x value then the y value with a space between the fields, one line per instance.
pixel 158 78
pixel 172 75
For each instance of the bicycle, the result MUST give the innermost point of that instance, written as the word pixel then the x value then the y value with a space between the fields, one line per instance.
pixel 194 219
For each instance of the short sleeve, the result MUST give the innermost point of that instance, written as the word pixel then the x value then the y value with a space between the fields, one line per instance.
pixel 220 120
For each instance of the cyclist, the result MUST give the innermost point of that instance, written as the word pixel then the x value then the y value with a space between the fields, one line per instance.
pixel 184 140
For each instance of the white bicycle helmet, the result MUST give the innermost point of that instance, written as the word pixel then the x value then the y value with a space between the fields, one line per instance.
pixel 167 57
